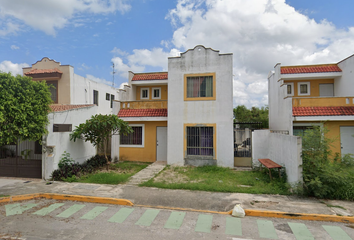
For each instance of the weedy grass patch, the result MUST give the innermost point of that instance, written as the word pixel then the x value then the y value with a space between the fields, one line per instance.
pixel 218 179
pixel 118 173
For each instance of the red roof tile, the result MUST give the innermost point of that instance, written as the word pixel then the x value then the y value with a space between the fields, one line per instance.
pixel 162 112
pixel 39 71
pixel 322 111
pixel 310 69
pixel 66 107
pixel 150 76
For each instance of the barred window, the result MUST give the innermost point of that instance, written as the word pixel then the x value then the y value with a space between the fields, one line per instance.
pixel 134 138
pixel 200 141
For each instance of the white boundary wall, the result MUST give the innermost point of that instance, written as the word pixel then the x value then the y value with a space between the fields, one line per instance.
pixel 280 148
pixel 79 151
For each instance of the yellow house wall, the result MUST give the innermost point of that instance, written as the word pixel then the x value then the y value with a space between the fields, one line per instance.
pixel 148 152
pixel 163 92
pixel 314 86
pixel 63 82
pixel 323 102
pixel 333 133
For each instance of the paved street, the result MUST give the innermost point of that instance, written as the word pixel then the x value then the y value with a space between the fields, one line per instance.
pixel 52 219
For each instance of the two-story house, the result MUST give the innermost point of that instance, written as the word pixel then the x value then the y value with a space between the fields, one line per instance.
pixel 75 99
pixel 183 116
pixel 303 96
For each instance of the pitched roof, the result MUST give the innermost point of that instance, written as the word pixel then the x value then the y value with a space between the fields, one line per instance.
pixel 39 71
pixel 310 69
pixel 322 111
pixel 161 112
pixel 66 107
pixel 150 76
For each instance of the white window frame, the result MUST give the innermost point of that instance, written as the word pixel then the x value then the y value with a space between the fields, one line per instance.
pixel 142 135
pixel 152 93
pixel 292 89
pixel 141 93
pixel 308 88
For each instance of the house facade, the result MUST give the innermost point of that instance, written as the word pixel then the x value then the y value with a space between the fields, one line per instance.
pixel 75 99
pixel 183 116
pixel 303 96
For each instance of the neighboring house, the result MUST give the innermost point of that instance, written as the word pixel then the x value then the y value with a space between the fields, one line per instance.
pixel 75 99
pixel 303 96
pixel 183 116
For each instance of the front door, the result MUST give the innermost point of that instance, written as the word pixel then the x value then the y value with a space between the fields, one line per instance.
pixel 347 140
pixel 161 144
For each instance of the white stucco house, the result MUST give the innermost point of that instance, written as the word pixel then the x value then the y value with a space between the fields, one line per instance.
pixel 182 116
pixel 76 99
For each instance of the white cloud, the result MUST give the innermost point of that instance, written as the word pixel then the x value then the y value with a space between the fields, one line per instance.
pixel 14 68
pixel 121 86
pixel 50 15
pixel 99 80
pixel 14 47
pixel 141 58
pixel 259 33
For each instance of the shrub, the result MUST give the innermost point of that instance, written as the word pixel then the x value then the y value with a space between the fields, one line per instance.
pixel 324 176
pixel 69 170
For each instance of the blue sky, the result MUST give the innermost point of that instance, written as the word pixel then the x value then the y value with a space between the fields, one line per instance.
pixel 139 35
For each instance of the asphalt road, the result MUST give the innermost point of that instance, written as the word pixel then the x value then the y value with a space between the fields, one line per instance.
pixel 52 219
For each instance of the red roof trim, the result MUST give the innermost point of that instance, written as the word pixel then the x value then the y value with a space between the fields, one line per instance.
pixel 150 76
pixel 310 69
pixel 66 107
pixel 161 112
pixel 40 71
pixel 322 111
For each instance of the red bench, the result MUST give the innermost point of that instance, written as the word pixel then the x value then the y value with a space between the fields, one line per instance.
pixel 269 164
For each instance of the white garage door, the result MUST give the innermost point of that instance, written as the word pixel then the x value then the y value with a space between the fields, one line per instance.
pixel 347 140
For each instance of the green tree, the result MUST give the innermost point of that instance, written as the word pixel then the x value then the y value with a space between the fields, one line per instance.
pixel 99 129
pixel 255 114
pixel 24 107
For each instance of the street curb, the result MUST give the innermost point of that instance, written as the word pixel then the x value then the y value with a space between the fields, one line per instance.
pixel 68 198
pixel 299 216
pixel 249 212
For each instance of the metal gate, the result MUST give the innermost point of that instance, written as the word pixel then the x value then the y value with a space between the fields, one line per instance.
pixel 21 160
pixel 243 143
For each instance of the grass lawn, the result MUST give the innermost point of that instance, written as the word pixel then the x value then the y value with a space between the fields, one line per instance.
pixel 4 195
pixel 218 179
pixel 117 173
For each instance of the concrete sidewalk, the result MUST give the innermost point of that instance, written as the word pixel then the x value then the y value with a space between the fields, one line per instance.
pixel 200 200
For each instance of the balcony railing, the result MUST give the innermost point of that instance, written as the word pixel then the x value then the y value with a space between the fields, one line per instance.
pixel 147 104
pixel 322 101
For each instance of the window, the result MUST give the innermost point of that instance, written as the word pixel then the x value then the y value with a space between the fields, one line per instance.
pixel 200 87
pixel 95 97
pixel 112 99
pixel 37 147
pixel 290 89
pixel 62 127
pixel 108 96
pixel 134 139
pixel 144 94
pixel 156 93
pixel 53 88
pixel 303 88
pixel 200 141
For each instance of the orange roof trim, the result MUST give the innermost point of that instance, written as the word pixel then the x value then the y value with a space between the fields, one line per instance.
pixel 39 71
pixel 66 107
pixel 310 69
pixel 322 111
pixel 161 112
pixel 150 76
